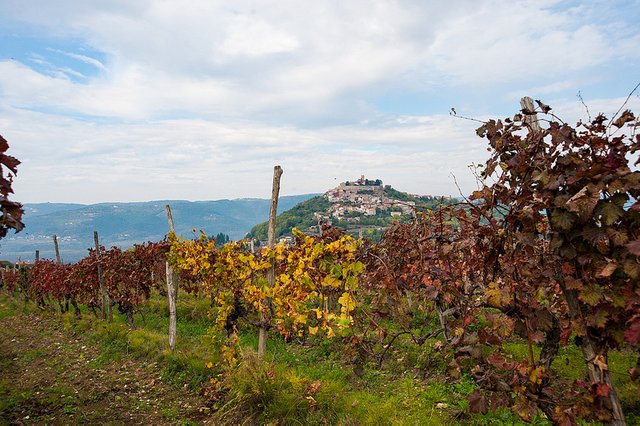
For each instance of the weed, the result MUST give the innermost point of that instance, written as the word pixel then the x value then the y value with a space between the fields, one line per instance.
pixel 144 343
pixel 33 354
pixel 8 308
pixel 184 368
pixel 69 409
pixel 169 413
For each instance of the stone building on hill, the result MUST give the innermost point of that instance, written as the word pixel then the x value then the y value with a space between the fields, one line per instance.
pixel 364 197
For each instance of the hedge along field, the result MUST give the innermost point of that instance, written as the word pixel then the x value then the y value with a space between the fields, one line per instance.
pixel 518 303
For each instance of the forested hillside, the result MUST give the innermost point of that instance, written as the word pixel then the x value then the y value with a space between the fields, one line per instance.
pixel 309 214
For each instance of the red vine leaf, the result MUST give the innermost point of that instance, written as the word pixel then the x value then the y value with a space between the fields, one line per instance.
pixel 608 270
pixel 626 117
pixel 478 403
pixel 634 247
pixel 632 333
pixel 544 107
pixel 602 389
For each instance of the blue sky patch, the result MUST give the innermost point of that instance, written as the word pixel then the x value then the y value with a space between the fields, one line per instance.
pixel 71 59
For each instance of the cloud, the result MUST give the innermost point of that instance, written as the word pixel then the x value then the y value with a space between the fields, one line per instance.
pixel 514 43
pixel 198 159
pixel 289 60
pixel 248 36
pixel 82 58
pixel 200 100
pixel 53 70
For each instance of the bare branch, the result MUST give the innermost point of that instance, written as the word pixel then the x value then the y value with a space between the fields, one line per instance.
pixel 623 105
pixel 453 113
pixel 585 105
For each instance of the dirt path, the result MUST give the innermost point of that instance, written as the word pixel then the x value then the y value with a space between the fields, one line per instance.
pixel 48 375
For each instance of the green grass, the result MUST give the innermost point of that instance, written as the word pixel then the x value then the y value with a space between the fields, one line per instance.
pixel 11 306
pixel 33 354
pixel 304 384
pixel 148 342
pixel 169 413
pixel 265 390
pixel 7 308
pixel 570 364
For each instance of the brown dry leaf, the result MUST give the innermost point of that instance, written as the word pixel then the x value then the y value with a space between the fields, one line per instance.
pixel 313 387
pixel 600 362
pixel 608 270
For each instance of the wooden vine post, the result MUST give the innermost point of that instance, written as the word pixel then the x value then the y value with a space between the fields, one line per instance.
pixel 68 298
pixel 40 299
pixel 271 273
pixel 105 305
pixel 531 119
pixel 55 245
pixel 172 289
pixel 592 350
pixel 65 306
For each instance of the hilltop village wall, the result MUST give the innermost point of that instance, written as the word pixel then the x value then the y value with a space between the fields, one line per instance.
pixel 366 197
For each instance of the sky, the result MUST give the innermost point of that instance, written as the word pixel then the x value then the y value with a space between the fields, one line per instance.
pixel 120 100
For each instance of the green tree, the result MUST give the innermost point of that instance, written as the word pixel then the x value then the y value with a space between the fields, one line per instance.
pixel 221 239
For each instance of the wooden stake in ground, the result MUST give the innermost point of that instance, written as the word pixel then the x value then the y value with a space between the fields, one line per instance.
pixel 172 289
pixel 271 273
pixel 105 305
pixel 592 352
pixel 68 298
pixel 55 245
pixel 40 300
pixel 64 307
pixel 531 119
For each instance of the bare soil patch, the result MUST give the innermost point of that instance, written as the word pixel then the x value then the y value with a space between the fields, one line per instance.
pixel 49 375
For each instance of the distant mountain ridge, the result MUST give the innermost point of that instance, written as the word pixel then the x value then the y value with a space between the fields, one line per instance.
pixel 124 224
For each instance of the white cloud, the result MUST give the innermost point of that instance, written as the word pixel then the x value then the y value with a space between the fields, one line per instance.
pixel 251 37
pixel 82 58
pixel 514 42
pixel 199 100
pixel 196 159
pixel 283 56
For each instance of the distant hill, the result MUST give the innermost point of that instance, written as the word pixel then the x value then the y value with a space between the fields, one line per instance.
pixel 124 224
pixel 362 206
pixel 300 216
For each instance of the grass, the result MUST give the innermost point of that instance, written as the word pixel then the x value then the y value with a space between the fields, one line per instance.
pixel 169 413
pixel 342 397
pixel 299 384
pixel 11 306
pixel 186 365
pixel 31 355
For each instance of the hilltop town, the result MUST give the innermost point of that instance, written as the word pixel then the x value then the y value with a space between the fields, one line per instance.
pixel 363 207
pixel 363 197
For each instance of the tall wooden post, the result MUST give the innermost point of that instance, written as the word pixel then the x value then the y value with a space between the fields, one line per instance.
pixel 531 119
pixel 105 305
pixel 271 273
pixel 55 245
pixel 172 289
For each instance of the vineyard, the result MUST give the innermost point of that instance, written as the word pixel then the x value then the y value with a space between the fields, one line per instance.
pixel 520 303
